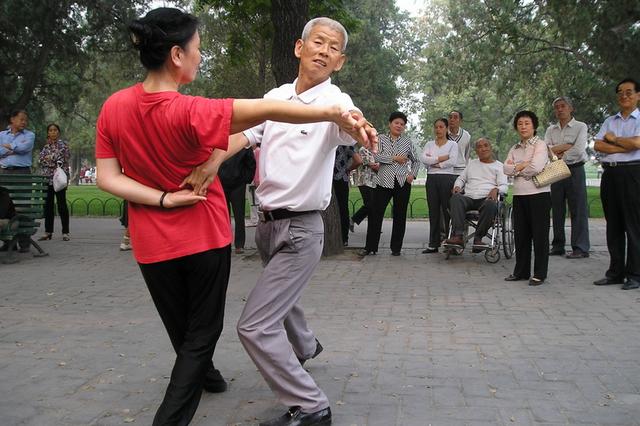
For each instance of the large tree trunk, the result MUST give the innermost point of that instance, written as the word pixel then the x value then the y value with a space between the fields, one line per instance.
pixel 288 18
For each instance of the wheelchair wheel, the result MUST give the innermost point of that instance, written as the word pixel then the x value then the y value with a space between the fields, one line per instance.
pixel 492 255
pixel 508 244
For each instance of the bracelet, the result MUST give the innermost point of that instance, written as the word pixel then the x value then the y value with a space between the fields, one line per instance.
pixel 164 194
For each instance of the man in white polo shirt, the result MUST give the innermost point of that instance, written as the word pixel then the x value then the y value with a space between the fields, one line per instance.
pixel 296 171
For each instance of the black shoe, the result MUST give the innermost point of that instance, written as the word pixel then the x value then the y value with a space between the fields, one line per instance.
pixel 577 254
pixel 319 349
pixel 430 250
pixel 607 281
pixel 214 382
pixel 631 284
pixel 515 278
pixel 365 252
pixel 295 417
pixel 535 281
pixel 395 253
pixel 556 252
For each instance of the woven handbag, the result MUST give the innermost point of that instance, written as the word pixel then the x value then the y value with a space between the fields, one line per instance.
pixel 555 170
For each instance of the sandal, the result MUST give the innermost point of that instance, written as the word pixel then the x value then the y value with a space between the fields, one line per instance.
pixel 66 237
pixel 46 236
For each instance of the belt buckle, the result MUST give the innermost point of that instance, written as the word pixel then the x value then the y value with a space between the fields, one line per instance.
pixel 264 216
pixel 613 164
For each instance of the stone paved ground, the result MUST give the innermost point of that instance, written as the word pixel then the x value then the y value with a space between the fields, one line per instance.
pixel 413 340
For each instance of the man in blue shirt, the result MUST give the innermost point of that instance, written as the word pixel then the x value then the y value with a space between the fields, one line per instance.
pixel 16 145
pixel 618 142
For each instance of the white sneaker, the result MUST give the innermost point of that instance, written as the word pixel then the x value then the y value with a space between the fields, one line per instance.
pixel 125 245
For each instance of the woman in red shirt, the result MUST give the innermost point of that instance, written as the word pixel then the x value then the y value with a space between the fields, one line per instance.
pixel 149 137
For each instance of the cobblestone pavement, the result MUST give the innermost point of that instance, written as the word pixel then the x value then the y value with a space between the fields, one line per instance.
pixel 409 340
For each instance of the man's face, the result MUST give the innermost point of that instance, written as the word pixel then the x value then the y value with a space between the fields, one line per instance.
pixel 627 96
pixel 321 53
pixel 483 149
pixel 562 110
pixel 454 120
pixel 19 122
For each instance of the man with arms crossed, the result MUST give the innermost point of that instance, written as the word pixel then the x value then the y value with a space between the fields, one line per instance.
pixel 462 138
pixel 619 143
pixel 296 168
pixel 568 140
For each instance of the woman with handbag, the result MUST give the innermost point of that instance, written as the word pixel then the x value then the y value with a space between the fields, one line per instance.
pixel 55 154
pixel 531 204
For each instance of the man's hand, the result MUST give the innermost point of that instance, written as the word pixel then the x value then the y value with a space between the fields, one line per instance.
pixel 184 197
pixel 7 146
pixel 610 137
pixel 367 135
pixel 456 190
pixel 493 195
pixel 400 159
pixel 201 178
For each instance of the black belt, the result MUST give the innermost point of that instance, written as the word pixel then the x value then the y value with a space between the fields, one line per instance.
pixel 620 164
pixel 279 214
pixel 571 166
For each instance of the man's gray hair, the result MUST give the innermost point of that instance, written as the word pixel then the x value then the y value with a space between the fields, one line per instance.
pixel 475 144
pixel 563 98
pixel 328 22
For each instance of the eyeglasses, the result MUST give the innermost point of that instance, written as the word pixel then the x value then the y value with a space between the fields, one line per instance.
pixel 625 93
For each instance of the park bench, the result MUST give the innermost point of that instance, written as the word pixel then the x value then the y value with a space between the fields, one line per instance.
pixel 28 193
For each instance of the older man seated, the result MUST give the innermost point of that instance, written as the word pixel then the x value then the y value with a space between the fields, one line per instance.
pixel 482 180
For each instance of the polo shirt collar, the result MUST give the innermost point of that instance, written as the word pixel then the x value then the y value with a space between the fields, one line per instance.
pixel 309 95
pixel 571 123
pixel 634 114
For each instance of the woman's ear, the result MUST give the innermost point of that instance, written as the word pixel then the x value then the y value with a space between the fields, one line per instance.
pixel 176 56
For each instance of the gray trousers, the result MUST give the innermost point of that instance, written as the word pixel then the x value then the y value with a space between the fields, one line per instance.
pixel 272 327
pixel 460 204
pixel 572 191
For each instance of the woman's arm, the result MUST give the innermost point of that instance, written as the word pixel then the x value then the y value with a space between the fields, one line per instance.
pixel 539 159
pixel 112 180
pixel 453 156
pixel 509 166
pixel 427 157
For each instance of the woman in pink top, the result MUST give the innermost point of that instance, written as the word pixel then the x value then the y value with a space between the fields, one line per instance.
pixel 149 138
pixel 531 205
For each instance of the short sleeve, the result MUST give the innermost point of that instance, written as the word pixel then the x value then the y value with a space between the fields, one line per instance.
pixel 603 129
pixel 210 121
pixel 254 134
pixel 104 142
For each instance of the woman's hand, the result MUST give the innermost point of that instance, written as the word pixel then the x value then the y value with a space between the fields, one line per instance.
pixel 374 166
pixel 184 197
pixel 521 166
pixel 400 159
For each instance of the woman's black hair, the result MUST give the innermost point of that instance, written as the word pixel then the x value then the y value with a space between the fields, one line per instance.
pixel 398 114
pixel 158 31
pixel 444 120
pixel 532 115
pixel 54 125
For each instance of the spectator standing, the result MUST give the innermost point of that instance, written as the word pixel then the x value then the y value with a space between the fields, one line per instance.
pixel 55 153
pixel 568 140
pixel 364 177
pixel 342 166
pixel 618 142
pixel 460 136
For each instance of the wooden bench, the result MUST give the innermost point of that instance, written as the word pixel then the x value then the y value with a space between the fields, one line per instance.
pixel 28 193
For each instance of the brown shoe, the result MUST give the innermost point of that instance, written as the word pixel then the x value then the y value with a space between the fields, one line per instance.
pixel 456 240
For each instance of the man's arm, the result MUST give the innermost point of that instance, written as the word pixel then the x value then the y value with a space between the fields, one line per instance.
pixel 629 143
pixel 607 148
pixel 25 145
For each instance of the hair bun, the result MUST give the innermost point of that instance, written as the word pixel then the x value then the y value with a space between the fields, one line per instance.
pixel 140 33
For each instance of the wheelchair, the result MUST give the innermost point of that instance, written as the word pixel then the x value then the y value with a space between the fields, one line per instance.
pixel 500 233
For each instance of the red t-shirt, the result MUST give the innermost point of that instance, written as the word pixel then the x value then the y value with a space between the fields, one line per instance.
pixel 158 138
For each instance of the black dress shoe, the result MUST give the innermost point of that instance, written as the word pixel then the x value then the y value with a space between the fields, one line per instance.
pixel 607 281
pixel 535 281
pixel 365 252
pixel 631 284
pixel 295 417
pixel 515 278
pixel 319 349
pixel 577 254
pixel 395 253
pixel 214 382
pixel 555 252
pixel 430 250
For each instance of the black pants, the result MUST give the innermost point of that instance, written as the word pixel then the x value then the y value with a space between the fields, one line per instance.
pixel 531 214
pixel 379 200
pixel 189 293
pixel 63 210
pixel 620 193
pixel 461 204
pixel 235 201
pixel 341 189
pixel 363 212
pixel 571 191
pixel 438 194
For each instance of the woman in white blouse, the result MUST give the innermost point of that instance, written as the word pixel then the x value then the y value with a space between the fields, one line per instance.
pixel 439 155
pixel 531 205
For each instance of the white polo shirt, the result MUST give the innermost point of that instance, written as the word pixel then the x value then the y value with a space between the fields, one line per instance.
pixel 296 160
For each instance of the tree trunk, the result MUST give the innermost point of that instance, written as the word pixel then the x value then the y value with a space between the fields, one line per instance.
pixel 288 18
pixel 332 229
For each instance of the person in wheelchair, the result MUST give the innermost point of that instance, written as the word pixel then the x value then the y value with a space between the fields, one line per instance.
pixel 477 188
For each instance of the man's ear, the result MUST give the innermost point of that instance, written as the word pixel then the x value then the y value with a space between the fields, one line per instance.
pixel 297 50
pixel 343 59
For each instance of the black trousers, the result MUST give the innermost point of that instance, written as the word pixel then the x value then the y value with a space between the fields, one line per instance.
pixel 531 214
pixel 461 204
pixel 189 294
pixel 620 193
pixel 366 193
pixel 63 210
pixel 438 195
pixel 341 189
pixel 379 200
pixel 571 191
pixel 236 202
